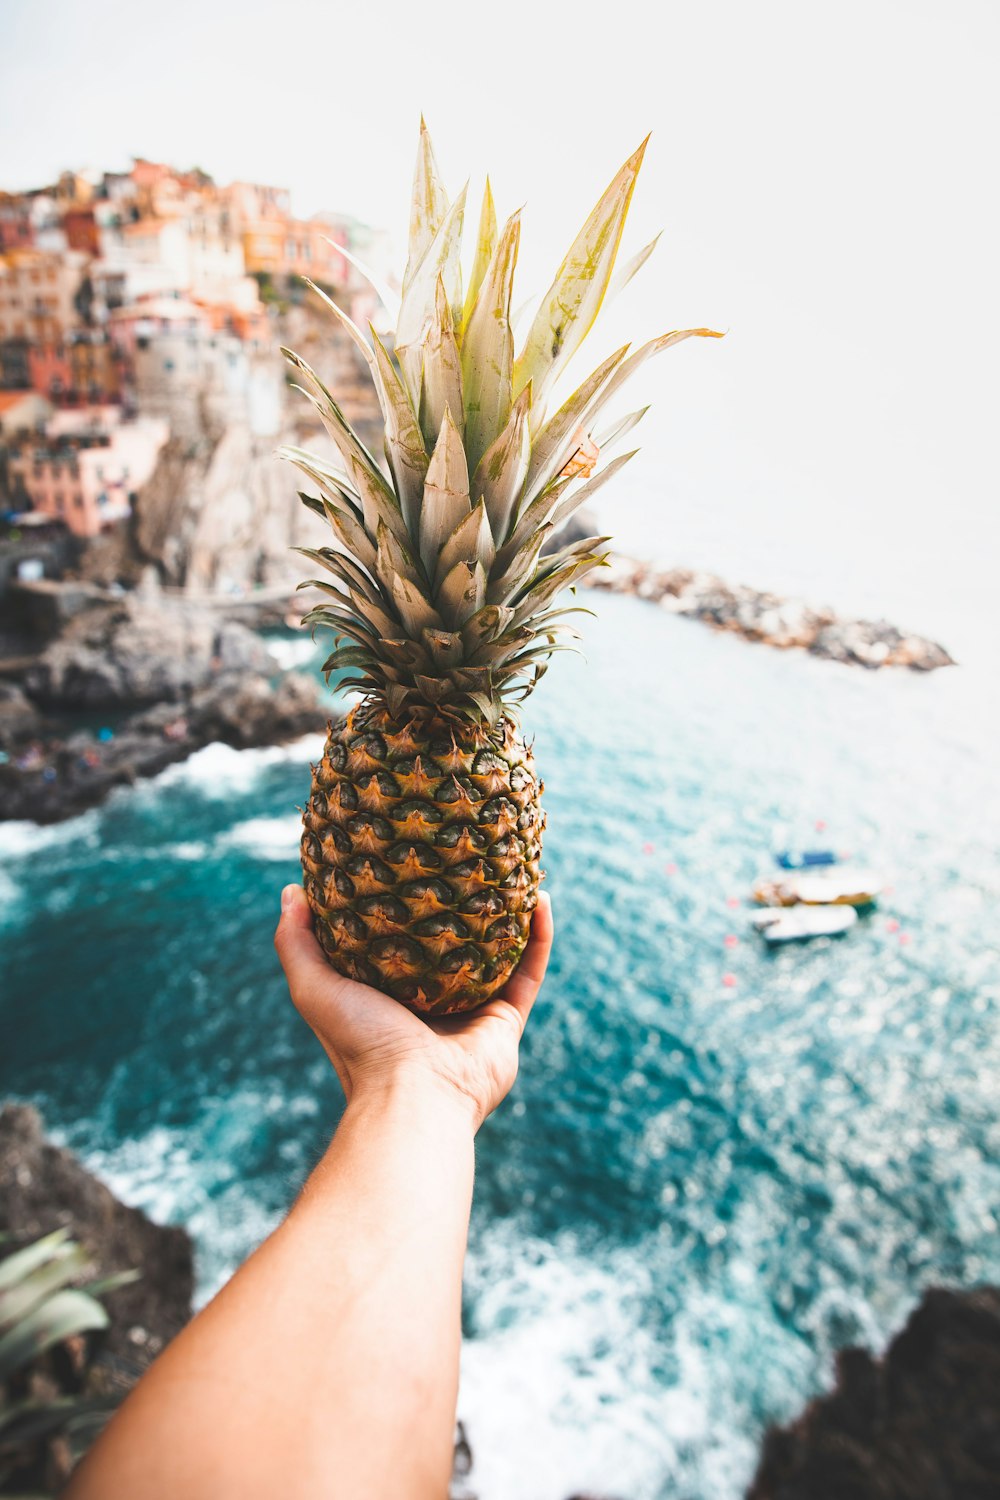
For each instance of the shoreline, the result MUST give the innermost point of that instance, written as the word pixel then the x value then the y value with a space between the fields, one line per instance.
pixel 782 622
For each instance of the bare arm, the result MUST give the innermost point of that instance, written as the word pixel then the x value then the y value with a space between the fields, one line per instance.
pixel 328 1366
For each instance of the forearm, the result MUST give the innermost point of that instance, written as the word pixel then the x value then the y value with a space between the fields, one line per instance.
pixel 329 1364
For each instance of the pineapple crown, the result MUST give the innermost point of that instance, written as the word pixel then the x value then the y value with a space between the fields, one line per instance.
pixel 442 600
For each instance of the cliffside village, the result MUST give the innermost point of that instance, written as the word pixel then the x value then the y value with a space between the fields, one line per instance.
pixel 140 306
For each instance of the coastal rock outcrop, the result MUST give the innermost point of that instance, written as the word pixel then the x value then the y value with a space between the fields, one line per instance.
pixel 760 616
pixel 169 678
pixel 922 1421
pixel 140 651
pixel 45 1187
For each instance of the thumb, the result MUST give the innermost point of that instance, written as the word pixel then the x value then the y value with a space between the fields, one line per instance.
pixel 300 954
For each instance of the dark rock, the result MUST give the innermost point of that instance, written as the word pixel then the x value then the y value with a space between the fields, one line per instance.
pixel 52 777
pixel 760 616
pixel 922 1423
pixel 140 651
pixel 19 718
pixel 44 1187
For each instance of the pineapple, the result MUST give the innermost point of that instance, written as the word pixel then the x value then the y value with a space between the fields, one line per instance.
pixel 423 833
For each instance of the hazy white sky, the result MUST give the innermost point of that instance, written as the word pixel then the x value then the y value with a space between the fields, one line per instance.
pixel 826 176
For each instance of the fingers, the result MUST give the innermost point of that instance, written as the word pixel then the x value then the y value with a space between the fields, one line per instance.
pixel 300 954
pixel 522 990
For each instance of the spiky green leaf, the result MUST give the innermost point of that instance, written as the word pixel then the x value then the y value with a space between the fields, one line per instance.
pixel 501 473
pixel 446 494
pixel 428 204
pixel 441 385
pixel 488 349
pixel 417 307
pixel 486 241
pixel 573 301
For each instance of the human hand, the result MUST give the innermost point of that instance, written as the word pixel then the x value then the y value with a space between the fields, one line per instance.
pixel 375 1043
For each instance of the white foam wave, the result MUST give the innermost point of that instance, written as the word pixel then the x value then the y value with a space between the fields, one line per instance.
pixel 565 1391
pixel 267 838
pixel 20 838
pixel 290 654
pixel 219 770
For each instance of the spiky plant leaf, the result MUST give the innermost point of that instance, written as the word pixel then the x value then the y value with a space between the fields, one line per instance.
pixel 624 274
pixel 617 430
pixel 501 473
pixel 488 349
pixel 555 442
pixel 417 307
pixel 378 499
pixel 54 1320
pixel 486 241
pixel 446 494
pixel 441 386
pixel 471 539
pixel 389 299
pixel 629 366
pixel 66 1264
pixel 569 504
pixel 574 299
pixel 13 1268
pixel 428 205
pixel 406 452
pixel 462 593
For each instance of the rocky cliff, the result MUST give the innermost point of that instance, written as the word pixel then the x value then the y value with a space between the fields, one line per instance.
pixel 221 513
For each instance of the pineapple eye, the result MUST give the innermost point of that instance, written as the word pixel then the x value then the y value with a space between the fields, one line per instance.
pixel 499 810
pixel 346 795
pixel 338 840
pixel 337 756
pixel 506 930
pixel 421 890
pixel 423 857
pixel 343 884
pixel 345 927
pixel 487 761
pixel 370 865
pixel 426 812
pixel 396 950
pixel 466 957
pixel 451 836
pixel 387 785
pixel 521 780
pixel 457 789
pixel 438 926
pixel 371 744
pixel 364 822
pixel 384 909
pixel 482 904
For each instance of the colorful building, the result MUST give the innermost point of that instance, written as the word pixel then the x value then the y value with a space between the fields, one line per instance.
pixel 87 474
pixel 37 294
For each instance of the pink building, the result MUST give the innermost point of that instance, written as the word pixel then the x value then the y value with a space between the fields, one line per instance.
pixel 86 470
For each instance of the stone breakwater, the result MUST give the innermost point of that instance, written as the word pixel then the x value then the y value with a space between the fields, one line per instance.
pixel 759 616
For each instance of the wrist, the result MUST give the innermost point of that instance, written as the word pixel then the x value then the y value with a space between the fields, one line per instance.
pixel 416 1094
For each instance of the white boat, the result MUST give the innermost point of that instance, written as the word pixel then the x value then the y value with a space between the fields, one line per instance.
pixel 792 924
pixel 829 886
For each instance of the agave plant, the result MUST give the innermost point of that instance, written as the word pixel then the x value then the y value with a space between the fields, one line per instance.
pixel 42 1312
pixel 423 832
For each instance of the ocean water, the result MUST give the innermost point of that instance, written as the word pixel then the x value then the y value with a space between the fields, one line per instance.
pixel 719 1163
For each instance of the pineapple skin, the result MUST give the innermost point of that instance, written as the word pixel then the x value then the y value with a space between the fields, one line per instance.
pixel 420 853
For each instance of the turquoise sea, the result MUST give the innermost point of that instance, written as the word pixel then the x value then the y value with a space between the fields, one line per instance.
pixel 719 1163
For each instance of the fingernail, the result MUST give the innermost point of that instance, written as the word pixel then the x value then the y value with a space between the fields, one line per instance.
pixel 288 897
